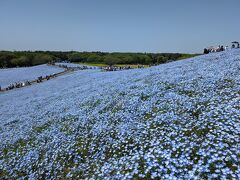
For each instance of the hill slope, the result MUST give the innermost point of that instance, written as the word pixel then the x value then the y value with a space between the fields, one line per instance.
pixel 13 75
pixel 179 119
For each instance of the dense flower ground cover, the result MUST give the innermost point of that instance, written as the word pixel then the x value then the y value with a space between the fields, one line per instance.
pixel 69 64
pixel 13 75
pixel 174 121
pixel 73 65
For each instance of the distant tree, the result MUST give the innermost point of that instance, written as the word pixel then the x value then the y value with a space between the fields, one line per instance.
pixel 21 61
pixel 111 60
pixel 161 59
pixel 79 57
pixel 5 59
pixel 94 58
pixel 41 59
pixel 127 59
pixel 75 57
pixel 147 59
pixel 30 58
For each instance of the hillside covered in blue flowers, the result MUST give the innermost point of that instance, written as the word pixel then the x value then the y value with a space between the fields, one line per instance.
pixel 178 120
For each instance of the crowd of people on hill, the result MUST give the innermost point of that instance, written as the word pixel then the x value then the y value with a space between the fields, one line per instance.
pixel 27 83
pixel 120 68
pixel 237 45
pixel 17 85
pixel 67 68
pixel 43 78
pixel 220 48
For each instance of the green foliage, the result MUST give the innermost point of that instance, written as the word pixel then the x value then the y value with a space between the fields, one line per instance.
pixel 147 60
pixel 185 56
pixel 41 59
pixel 29 58
pixel 94 58
pixel 161 59
pixel 111 60
pixel 76 57
pixel 21 61
pixel 5 58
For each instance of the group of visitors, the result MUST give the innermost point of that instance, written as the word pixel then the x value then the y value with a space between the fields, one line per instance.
pixel 220 48
pixel 67 68
pixel 43 78
pixel 27 83
pixel 17 85
pixel 235 45
pixel 215 49
pixel 119 68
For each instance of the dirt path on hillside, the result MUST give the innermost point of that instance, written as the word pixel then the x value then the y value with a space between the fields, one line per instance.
pixel 42 78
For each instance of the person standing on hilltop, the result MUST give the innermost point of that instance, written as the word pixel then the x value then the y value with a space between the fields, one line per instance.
pixel 221 48
pixel 205 51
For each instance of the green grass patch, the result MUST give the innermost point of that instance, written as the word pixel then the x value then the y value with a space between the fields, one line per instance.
pixel 188 93
pixel 197 131
pixel 40 129
pixel 225 83
pixel 116 65
pixel 144 97
pixel 186 56
pixel 18 147
pixel 93 64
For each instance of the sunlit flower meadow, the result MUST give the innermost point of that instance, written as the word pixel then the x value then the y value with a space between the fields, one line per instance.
pixel 13 75
pixel 178 120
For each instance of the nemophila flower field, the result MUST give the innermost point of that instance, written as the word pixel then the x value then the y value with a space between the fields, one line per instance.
pixel 13 75
pixel 69 64
pixel 73 65
pixel 175 121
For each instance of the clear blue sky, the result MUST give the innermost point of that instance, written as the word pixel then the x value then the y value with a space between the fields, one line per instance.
pixel 118 25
